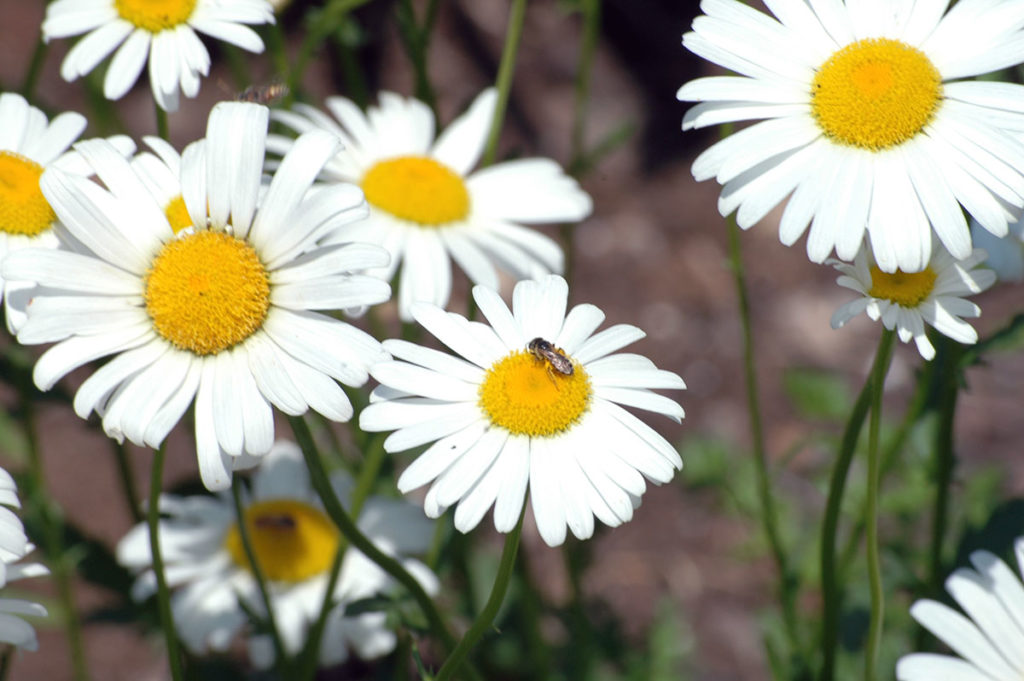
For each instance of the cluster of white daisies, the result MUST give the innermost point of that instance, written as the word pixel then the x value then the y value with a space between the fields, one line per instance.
pixel 204 286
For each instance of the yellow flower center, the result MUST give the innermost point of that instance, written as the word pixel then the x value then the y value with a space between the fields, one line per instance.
pixel 875 94
pixel 526 395
pixel 291 541
pixel 207 291
pixel 23 208
pixel 417 189
pixel 177 214
pixel 902 288
pixel 155 15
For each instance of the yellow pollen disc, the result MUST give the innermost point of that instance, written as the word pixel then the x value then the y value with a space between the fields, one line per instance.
pixel 155 15
pixel 23 208
pixel 291 541
pixel 177 214
pixel 207 291
pixel 527 396
pixel 417 189
pixel 908 290
pixel 875 94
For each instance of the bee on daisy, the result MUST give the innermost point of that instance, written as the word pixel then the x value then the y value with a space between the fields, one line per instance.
pixel 206 290
pixel 500 420
pixel 428 205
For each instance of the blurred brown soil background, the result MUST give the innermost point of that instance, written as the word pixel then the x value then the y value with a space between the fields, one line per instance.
pixel 652 254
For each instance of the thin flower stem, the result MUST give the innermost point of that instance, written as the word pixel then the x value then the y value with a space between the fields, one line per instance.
pixel 416 39
pixel 892 449
pixel 591 10
pixel 278 53
pixel 28 86
pixel 830 586
pixel 126 476
pixel 364 485
pixel 281 661
pixel 53 530
pixel 878 373
pixel 766 499
pixel 330 19
pixel 506 68
pixel 949 353
pixel 163 595
pixel 582 653
pixel 490 611
pixel 161 123
pixel 341 518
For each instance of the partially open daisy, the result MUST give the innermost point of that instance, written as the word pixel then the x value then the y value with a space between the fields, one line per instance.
pixel 989 640
pixel 28 146
pixel 868 124
pixel 426 204
pixel 534 403
pixel 14 547
pixel 221 311
pixel 162 30
pixel 905 301
pixel 1005 254
pixel 294 543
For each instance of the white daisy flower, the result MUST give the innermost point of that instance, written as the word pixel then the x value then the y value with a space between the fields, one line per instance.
pixel 426 204
pixel 989 640
pixel 534 403
pixel 28 146
pixel 164 31
pixel 14 546
pixel 294 543
pixel 906 301
pixel 868 121
pixel 1005 254
pixel 223 312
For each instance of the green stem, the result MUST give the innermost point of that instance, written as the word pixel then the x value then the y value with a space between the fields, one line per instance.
pixel 35 65
pixel 506 68
pixel 5 662
pixel 275 41
pixel 364 485
pixel 581 652
pixel 281 662
pixel 52 520
pixel 126 476
pixel 945 459
pixel 577 149
pixel 830 586
pixel 416 39
pixel 892 450
pixel 162 129
pixel 766 499
pixel 490 611
pixel 163 595
pixel 341 518
pixel 878 373
pixel 330 19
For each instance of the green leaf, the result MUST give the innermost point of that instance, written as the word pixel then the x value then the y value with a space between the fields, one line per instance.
pixel 1006 339
pixel 817 394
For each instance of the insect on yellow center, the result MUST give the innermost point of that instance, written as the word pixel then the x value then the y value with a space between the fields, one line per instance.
pixel 525 395
pixel 902 288
pixel 207 291
pixel 177 214
pixel 23 208
pixel 875 94
pixel 291 541
pixel 155 15
pixel 417 189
